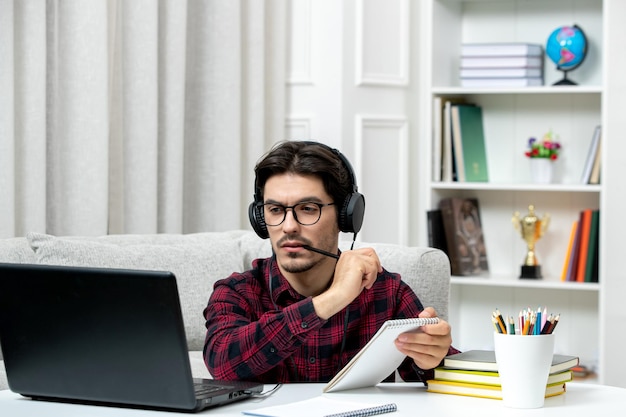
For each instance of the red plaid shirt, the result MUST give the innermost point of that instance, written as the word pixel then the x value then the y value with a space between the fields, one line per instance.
pixel 269 333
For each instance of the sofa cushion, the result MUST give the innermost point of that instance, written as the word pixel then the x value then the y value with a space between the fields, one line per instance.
pixel 197 261
pixel 253 247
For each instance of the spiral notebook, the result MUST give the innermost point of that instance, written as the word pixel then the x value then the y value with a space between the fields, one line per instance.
pixel 323 407
pixel 378 358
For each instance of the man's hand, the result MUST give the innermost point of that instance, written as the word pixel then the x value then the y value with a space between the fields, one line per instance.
pixel 356 269
pixel 428 345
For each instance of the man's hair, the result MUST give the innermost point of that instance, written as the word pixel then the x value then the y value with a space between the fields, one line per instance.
pixel 305 158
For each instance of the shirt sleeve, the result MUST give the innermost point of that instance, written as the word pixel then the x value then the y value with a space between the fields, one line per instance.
pixel 241 344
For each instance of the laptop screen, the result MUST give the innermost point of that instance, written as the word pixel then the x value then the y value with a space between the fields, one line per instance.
pixel 91 334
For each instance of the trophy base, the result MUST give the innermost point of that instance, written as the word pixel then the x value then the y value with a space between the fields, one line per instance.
pixel 531 272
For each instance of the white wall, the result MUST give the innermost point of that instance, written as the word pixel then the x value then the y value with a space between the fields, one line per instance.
pixel 351 85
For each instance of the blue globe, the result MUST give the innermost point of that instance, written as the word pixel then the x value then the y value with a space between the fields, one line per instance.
pixel 567 47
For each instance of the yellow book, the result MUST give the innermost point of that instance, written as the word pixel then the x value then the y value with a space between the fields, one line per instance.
pixel 489 377
pixel 568 255
pixel 481 390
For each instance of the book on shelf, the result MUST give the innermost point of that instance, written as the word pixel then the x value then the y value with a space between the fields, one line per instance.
pixel 448 158
pixel 443 169
pixel 591 271
pixel 485 360
pixel 436 232
pixel 464 235
pixel 594 178
pixel 457 145
pixel 437 132
pixel 585 228
pixel 581 260
pixel 501 72
pixel 502 62
pixel 591 155
pixel 502 82
pixel 575 252
pixel 568 254
pixel 378 359
pixel 501 49
pixel 469 143
pixel 482 391
pixel 321 406
pixel 489 377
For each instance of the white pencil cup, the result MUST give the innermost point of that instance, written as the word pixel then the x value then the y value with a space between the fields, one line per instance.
pixel 523 365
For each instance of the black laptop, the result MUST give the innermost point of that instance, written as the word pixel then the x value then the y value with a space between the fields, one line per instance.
pixel 102 336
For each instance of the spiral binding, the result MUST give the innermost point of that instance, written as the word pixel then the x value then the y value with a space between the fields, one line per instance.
pixel 370 411
pixel 420 321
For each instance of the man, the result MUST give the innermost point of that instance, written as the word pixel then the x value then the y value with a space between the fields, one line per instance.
pixel 305 312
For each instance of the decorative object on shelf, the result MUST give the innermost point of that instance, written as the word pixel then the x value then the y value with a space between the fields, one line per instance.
pixel 548 148
pixel 464 236
pixel 541 170
pixel 567 47
pixel 542 154
pixel 532 228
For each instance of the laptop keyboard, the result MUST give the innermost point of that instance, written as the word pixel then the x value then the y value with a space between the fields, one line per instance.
pixel 203 389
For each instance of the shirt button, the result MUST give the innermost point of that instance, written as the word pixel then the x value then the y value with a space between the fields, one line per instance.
pixel 272 350
pixel 311 359
pixel 304 325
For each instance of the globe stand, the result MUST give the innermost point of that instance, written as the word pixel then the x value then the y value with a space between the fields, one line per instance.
pixel 567 47
pixel 565 80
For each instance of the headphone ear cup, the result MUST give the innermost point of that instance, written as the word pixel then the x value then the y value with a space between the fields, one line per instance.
pixel 257 220
pixel 352 213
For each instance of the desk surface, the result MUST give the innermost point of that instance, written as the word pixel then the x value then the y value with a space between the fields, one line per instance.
pixel 581 399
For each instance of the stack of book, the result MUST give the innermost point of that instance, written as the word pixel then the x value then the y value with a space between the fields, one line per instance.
pixel 501 65
pixel 474 373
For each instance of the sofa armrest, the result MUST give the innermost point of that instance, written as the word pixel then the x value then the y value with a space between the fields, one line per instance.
pixel 16 250
pixel 426 270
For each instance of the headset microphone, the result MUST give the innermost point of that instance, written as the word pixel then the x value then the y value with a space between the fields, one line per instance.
pixel 320 251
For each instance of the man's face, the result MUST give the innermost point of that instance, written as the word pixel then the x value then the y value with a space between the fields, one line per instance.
pixel 288 237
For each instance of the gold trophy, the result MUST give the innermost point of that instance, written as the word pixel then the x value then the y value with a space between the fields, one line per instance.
pixel 532 229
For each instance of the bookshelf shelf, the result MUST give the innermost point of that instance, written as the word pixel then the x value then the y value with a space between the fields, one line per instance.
pixel 549 188
pixel 454 91
pixel 510 282
pixel 510 117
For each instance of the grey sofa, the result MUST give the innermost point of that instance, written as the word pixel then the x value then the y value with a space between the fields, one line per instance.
pixel 199 259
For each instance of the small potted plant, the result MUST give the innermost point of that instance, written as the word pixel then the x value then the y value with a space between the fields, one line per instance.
pixel 541 154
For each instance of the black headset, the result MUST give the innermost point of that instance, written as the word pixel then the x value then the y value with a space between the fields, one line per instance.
pixel 350 216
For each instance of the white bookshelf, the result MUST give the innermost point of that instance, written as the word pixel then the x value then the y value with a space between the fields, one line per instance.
pixel 510 117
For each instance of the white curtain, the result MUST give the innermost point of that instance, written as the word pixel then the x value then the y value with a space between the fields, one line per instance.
pixel 136 116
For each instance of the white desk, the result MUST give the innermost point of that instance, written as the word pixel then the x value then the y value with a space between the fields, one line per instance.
pixel 580 400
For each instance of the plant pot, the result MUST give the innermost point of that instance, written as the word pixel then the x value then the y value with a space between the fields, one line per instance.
pixel 541 170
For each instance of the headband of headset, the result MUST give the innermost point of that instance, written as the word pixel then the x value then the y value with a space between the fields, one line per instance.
pixel 350 215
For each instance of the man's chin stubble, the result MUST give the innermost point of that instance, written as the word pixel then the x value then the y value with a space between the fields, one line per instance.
pixel 296 267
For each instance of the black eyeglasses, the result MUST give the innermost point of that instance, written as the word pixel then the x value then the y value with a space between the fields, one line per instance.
pixel 306 213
